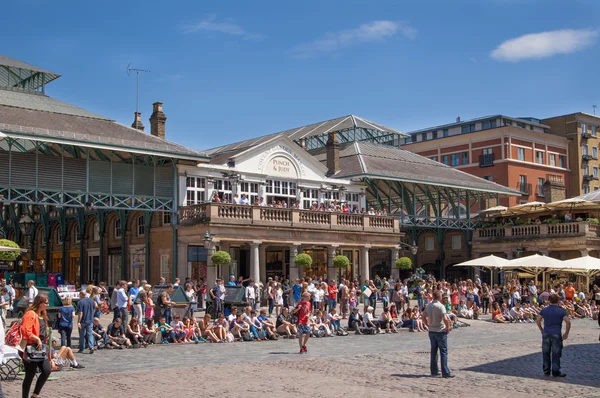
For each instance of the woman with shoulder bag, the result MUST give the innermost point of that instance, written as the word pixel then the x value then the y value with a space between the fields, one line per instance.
pixel 34 328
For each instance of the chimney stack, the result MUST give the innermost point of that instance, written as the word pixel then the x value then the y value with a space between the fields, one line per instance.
pixel 137 121
pixel 458 119
pixel 333 155
pixel 157 121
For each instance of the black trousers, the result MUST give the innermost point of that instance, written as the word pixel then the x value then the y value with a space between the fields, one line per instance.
pixel 30 368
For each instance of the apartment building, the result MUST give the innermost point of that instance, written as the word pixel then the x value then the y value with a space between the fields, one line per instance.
pixel 581 130
pixel 519 153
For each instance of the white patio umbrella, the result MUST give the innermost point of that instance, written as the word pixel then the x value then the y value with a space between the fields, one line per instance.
pixel 536 264
pixel 572 203
pixel 587 266
pixel 490 262
pixel 495 209
pixel 529 207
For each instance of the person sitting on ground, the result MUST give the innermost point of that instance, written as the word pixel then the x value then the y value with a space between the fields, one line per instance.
pixel 177 326
pixel 166 331
pixel 268 325
pixel 355 320
pixel 497 313
pixel 370 320
pixel 116 335
pixel 336 323
pixel 207 328
pixel 63 358
pixel 464 311
pixel 394 315
pixel 385 320
pixel 408 320
pixel 134 333
pixel 517 313
pixel 506 313
pixel 221 327
pixel 99 333
pixel 284 325
pixel 191 330
pixel 419 325
pixel 238 328
pixel 150 333
pixel 321 322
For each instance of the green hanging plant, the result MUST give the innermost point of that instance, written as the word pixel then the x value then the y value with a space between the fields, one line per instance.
pixel 404 263
pixel 303 260
pixel 341 262
pixel 221 257
pixel 9 256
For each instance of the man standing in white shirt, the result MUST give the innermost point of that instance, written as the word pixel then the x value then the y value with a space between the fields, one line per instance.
pixel 31 292
pixel 251 294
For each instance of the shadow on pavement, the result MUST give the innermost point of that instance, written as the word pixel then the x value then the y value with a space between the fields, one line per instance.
pixel 417 376
pixel 579 362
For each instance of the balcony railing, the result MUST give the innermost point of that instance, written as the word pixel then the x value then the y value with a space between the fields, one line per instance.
pixel 586 135
pixel 587 156
pixel 588 177
pixel 295 218
pixel 537 231
pixel 486 160
pixel 524 188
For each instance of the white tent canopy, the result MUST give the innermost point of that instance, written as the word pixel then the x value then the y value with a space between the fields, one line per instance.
pixel 490 261
pixel 11 249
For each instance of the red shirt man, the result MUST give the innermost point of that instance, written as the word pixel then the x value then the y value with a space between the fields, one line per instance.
pixel 303 310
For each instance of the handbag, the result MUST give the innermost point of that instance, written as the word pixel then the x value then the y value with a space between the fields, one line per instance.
pixel 32 354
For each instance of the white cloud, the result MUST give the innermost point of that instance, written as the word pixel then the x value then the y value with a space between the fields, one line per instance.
pixel 544 44
pixel 228 28
pixel 369 32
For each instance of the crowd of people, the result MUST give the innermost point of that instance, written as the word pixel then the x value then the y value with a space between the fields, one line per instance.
pixel 309 307
pixel 331 206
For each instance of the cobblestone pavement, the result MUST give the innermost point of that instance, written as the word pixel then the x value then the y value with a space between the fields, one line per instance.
pixel 487 359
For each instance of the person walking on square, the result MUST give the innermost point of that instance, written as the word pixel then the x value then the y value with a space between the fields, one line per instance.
pixel 303 309
pixel 435 318
pixel 552 340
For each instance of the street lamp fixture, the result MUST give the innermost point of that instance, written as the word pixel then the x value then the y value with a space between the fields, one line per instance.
pixel 207 240
pixel 43 265
pixel 26 225
pixel 413 249
pixel 519 251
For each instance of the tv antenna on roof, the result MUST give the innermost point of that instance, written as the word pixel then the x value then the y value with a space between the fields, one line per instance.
pixel 137 83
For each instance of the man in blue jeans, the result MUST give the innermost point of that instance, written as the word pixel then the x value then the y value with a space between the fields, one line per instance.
pixel 85 321
pixel 439 325
pixel 552 340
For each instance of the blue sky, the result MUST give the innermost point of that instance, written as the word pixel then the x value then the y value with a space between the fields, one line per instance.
pixel 231 70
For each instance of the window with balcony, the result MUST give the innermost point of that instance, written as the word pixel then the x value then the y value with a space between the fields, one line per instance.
pixel 540 186
pixel 223 188
pixel 445 159
pixel 283 191
pixel 594 131
pixel 595 173
pixel 521 154
pixel 539 157
pixel 523 185
pixel 195 190
pixel 455 158
pixel 250 189
pixel 583 128
pixel 595 152
pixel 586 169
pixel 586 188
pixel 584 150
pixel 552 160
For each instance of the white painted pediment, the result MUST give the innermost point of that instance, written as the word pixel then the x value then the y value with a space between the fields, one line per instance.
pixel 280 157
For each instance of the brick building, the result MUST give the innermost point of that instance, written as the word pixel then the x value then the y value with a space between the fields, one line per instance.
pixel 519 153
pixel 581 130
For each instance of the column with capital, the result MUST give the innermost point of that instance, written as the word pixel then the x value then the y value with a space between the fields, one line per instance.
pixel 364 263
pixel 293 268
pixel 331 250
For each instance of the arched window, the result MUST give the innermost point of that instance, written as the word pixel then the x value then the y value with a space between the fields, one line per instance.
pixel 141 226
pixel 95 231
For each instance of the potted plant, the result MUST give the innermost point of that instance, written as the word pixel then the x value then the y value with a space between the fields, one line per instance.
pixel 341 263
pixel 404 263
pixel 9 256
pixel 303 260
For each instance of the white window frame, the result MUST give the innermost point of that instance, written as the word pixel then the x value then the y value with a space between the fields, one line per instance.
pixel 250 189
pixel 224 190
pixel 594 152
pixel 164 266
pixel 309 195
pixel 118 231
pixel 583 128
pixel 195 190
pixel 140 226
pixel 276 188
pixel 521 154
pixel 552 160
pixel 539 157
pixel 429 243
pixel 456 242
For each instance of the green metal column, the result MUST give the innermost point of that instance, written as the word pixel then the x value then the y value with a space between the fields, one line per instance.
pixel 123 218
pixel 174 220
pixel 82 257
pixel 148 222
pixel 63 233
pixel 100 216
